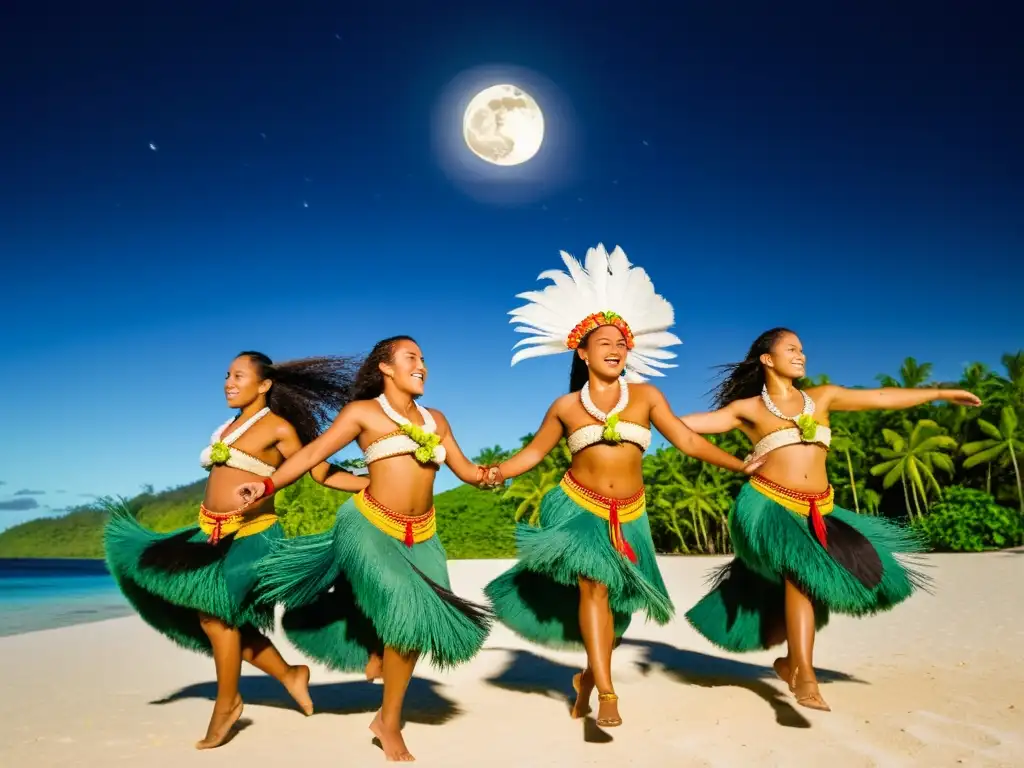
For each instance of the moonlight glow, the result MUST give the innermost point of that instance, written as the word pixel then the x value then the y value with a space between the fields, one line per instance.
pixel 503 125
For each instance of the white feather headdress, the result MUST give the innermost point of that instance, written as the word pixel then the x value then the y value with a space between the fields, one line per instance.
pixel 608 290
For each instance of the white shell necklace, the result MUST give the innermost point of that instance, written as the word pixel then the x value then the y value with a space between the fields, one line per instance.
pixel 430 448
pixel 774 409
pixel 597 413
pixel 429 425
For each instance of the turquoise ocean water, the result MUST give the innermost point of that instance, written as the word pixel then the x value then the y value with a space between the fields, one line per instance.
pixel 43 594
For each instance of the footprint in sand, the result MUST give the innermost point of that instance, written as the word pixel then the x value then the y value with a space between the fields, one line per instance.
pixel 945 740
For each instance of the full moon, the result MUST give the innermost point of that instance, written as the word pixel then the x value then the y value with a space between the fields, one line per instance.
pixel 503 125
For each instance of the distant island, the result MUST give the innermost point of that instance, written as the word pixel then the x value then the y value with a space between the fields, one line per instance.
pixel 952 472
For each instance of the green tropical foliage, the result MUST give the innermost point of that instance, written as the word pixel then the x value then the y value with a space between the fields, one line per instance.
pixel 968 520
pixel 926 464
pixel 1002 445
pixel 471 522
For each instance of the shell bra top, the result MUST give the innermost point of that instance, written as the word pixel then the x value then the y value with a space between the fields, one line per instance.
pixel 422 442
pixel 610 430
pixel 221 450
pixel 592 434
pixel 807 431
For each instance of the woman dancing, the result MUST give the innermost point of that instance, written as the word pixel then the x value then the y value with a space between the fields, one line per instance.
pixel 591 564
pixel 197 585
pixel 798 554
pixel 373 594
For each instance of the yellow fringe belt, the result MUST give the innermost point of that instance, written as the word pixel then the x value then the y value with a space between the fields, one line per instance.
pixel 615 511
pixel 217 525
pixel 410 530
pixel 812 505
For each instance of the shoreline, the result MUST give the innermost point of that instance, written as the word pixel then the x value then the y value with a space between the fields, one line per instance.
pixel 673 555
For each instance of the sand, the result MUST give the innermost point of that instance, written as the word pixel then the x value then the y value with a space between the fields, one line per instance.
pixel 939 681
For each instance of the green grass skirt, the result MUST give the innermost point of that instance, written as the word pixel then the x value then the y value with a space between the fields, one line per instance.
pixel 169 578
pixel 745 609
pixel 354 589
pixel 538 598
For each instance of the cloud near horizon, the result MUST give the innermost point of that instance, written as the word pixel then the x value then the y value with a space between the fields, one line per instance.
pixel 18 505
pixel 29 492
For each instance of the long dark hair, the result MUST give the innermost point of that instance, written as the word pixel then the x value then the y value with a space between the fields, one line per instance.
pixel 746 378
pixel 308 392
pixel 579 373
pixel 369 381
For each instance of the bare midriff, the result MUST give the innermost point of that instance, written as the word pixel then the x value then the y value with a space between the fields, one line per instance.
pixel 797 467
pixel 615 471
pixel 403 485
pixel 221 496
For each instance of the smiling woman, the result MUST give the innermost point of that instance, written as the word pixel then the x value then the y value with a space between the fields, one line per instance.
pixel 373 594
pixel 197 586
pixel 591 564
pixel 799 555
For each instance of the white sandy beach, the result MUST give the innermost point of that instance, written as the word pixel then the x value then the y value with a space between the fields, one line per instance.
pixel 939 681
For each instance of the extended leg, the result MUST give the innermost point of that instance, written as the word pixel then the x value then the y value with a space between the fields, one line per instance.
pixel 797 668
pixel 258 650
pixel 227 657
pixel 387 725
pixel 597 626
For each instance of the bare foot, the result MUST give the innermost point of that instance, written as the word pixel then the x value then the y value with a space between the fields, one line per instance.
pixel 583 684
pixel 220 724
pixel 391 742
pixel 608 710
pixel 805 689
pixel 296 682
pixel 375 667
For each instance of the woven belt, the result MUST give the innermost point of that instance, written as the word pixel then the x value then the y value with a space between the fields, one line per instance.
pixel 410 530
pixel 812 505
pixel 217 525
pixel 615 511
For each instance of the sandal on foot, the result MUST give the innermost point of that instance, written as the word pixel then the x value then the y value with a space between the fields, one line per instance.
pixel 584 710
pixel 808 695
pixel 608 722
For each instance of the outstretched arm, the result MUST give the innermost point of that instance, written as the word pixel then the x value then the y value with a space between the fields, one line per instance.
pixel 344 430
pixel 543 443
pixel 688 441
pixel 324 473
pixel 713 422
pixel 464 469
pixel 836 398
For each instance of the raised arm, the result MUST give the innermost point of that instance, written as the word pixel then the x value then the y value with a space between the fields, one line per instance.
pixel 688 441
pixel 544 441
pixel 344 430
pixel 714 422
pixel 463 468
pixel 836 398
pixel 324 473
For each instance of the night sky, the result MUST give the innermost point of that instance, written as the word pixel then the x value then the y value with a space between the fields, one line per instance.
pixel 179 182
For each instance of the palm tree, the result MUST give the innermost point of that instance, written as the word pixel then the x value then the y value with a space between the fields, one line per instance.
pixel 1002 444
pixel 1011 389
pixel 912 374
pixel 843 442
pixel 530 489
pixel 912 458
pixel 489 456
pixel 704 498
